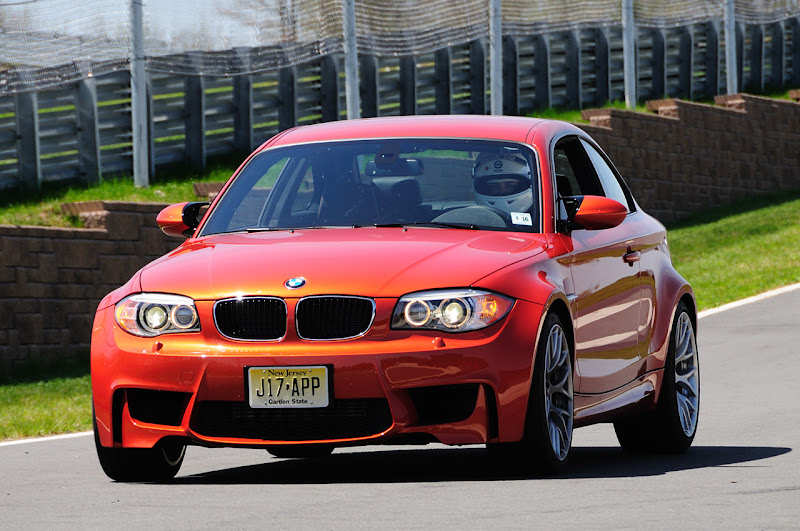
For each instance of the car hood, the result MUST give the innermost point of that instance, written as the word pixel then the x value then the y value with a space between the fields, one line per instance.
pixel 373 262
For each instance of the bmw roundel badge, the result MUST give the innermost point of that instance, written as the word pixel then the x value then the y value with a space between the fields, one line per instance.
pixel 295 283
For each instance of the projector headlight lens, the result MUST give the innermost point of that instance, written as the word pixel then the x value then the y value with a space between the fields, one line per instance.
pixel 153 314
pixel 459 310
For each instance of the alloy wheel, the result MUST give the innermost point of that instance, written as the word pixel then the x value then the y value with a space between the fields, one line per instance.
pixel 686 375
pixel 558 392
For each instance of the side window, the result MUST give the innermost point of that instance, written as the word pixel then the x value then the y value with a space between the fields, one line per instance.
pixel 575 174
pixel 566 181
pixel 608 179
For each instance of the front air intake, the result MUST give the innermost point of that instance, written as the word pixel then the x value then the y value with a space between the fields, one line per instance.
pixel 251 318
pixel 334 317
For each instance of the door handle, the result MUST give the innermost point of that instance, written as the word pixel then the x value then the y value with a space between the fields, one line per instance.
pixel 631 256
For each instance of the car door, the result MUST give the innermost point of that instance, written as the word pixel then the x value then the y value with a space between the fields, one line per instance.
pixel 605 274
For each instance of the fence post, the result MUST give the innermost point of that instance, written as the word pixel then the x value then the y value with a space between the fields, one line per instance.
pixel 629 53
pixel 573 65
pixel 477 77
pixel 756 79
pixel 498 75
pixel 88 134
pixel 541 71
pixel 712 59
pixel 443 82
pixel 151 127
pixel 28 150
pixel 777 57
pixel 685 62
pixel 242 104
pixel 243 113
pixel 351 59
pixel 139 98
pixel 287 98
pixel 329 87
pixel 740 29
pixel 731 64
pixel 659 63
pixel 195 124
pixel 510 85
pixel 408 85
pixel 601 76
pixel 370 86
pixel 795 77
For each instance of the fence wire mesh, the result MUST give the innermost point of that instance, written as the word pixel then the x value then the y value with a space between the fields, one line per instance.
pixel 45 43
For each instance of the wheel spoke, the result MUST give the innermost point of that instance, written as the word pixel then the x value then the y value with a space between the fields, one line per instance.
pixel 559 435
pixel 561 413
pixel 555 439
pixel 686 411
pixel 683 352
pixel 560 385
pixel 687 379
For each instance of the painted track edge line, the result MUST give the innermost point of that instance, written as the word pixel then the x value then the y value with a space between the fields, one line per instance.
pixel 50 438
pixel 749 300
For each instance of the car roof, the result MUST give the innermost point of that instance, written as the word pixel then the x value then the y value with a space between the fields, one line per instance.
pixel 510 128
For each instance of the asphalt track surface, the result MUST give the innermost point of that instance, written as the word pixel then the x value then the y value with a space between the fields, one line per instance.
pixel 743 470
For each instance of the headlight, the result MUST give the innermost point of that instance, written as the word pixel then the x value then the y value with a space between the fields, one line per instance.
pixel 450 310
pixel 153 314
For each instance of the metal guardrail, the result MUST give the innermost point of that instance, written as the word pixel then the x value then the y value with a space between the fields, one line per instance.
pixel 83 130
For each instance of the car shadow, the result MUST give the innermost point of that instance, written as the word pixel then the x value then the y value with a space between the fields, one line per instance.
pixel 473 464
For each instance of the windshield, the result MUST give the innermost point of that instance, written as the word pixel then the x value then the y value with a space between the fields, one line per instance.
pixel 470 184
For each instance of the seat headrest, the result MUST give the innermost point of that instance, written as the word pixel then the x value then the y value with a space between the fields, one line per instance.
pixel 404 191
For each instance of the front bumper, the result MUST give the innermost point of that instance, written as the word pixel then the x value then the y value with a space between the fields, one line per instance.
pixel 387 386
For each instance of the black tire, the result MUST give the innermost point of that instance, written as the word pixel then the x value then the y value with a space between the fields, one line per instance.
pixel 301 451
pixel 671 427
pixel 550 408
pixel 156 464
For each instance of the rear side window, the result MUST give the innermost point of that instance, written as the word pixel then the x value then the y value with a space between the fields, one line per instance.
pixel 608 179
pixel 580 169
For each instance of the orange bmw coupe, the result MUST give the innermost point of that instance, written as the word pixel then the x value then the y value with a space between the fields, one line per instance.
pixel 453 279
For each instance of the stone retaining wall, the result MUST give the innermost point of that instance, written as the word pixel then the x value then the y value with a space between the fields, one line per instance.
pixel 685 157
pixel 51 279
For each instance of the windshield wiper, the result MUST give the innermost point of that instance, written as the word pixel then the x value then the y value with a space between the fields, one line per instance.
pixel 428 224
pixel 307 227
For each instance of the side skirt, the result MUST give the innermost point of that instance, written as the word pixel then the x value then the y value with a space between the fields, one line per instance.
pixel 639 395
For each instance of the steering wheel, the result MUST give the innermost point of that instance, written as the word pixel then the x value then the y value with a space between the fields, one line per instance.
pixel 471 215
pixel 502 213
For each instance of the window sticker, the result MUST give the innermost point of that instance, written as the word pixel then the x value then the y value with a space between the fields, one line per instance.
pixel 521 218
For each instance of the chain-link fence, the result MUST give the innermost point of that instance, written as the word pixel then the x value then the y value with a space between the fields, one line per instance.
pixel 48 42
pixel 224 75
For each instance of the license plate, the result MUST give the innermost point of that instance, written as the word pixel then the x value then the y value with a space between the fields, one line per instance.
pixel 287 387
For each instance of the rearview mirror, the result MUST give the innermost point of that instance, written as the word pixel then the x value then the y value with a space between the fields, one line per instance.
pixel 592 212
pixel 181 219
pixel 399 167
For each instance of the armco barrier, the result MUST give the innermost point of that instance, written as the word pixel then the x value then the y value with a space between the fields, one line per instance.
pixel 682 158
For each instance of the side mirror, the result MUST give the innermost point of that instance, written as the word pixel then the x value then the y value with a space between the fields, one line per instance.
pixel 592 212
pixel 181 219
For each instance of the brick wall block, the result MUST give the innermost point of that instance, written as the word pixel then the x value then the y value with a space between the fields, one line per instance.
pixel 30 327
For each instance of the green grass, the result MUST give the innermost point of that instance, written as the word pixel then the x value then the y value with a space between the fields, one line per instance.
pixel 43 208
pixel 742 250
pixel 574 116
pixel 33 407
